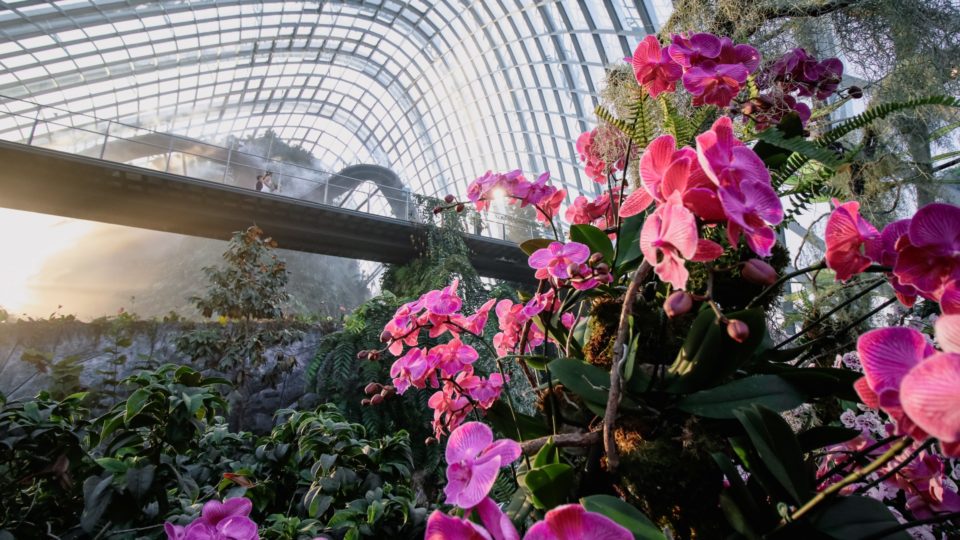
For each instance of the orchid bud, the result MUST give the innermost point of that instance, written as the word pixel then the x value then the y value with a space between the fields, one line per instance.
pixel 595 258
pixel 678 303
pixel 449 198
pixel 460 207
pixel 602 268
pixel 365 401
pixel 385 336
pixel 738 330
pixel 759 272
pixel 430 441
pixel 389 391
pixel 377 399
pixel 362 355
pixel 573 269
pixel 372 388
pixel 373 356
pixel 855 92
pixel 437 209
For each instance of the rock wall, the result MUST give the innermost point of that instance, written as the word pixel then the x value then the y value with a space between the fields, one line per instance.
pixel 111 348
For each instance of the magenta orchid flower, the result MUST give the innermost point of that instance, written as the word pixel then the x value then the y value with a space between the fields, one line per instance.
pixel 217 520
pixel 852 242
pixel 726 160
pixel 554 259
pixel 573 522
pixel 654 68
pixel 913 382
pixel 668 237
pixel 929 254
pixel 889 237
pixel 412 369
pixel 453 356
pixel 473 461
pixel 496 525
pixel 445 301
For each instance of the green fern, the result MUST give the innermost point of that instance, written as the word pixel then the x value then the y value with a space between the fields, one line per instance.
pixel 643 121
pixel 801 146
pixel 879 112
pixel 608 117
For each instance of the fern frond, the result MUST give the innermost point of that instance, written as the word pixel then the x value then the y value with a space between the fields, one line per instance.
pixel 943 131
pixel 608 117
pixel 879 112
pixel 644 122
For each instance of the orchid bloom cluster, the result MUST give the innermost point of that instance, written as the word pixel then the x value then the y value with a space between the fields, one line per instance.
pixel 604 151
pixel 474 460
pixel 713 69
pixel 544 197
pixel 922 253
pixel 927 489
pixel 722 181
pixel 914 383
pixel 570 263
pixel 600 212
pixel 446 367
pixel 218 521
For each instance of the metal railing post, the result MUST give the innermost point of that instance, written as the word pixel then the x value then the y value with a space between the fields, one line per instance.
pixel 166 168
pixel 106 139
pixel 33 129
pixel 326 186
pixel 226 167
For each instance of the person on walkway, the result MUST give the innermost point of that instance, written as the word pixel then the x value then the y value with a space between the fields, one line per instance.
pixel 259 182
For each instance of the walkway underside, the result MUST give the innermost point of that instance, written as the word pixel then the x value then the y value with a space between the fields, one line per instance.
pixel 52 182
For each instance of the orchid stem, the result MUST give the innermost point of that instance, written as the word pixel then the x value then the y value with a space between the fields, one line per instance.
pixel 786 277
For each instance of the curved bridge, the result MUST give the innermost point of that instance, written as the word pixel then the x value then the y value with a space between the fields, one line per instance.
pixel 83 187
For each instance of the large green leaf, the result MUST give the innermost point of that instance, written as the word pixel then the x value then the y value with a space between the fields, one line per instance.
pixel 743 512
pixel 709 355
pixel 595 239
pixel 548 455
pixel 529 246
pixel 587 381
pixel 628 243
pixel 777 447
pixel 852 518
pixel 140 480
pixel 720 402
pixel 823 436
pixel 550 485
pixel 136 403
pixel 96 498
pixel 503 421
pixel 625 514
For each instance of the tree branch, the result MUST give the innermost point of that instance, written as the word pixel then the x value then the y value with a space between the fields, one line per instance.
pixel 562 440
pixel 619 356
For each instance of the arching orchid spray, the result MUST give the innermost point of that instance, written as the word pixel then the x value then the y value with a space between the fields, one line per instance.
pixel 687 261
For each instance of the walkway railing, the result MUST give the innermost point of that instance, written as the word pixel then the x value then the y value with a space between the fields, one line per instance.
pixel 56 128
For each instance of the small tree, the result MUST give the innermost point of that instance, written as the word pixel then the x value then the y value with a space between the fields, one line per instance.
pixel 252 285
pixel 246 295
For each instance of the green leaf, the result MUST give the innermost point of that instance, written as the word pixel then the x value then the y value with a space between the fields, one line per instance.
pixel 800 146
pixel 738 505
pixel 629 242
pixel 624 514
pixel 777 447
pixel 852 518
pixel 595 239
pixel 709 355
pixel 549 486
pixel 548 455
pixel 587 381
pixel 721 401
pixel 96 498
pixel 139 480
pixel 112 465
pixel 823 382
pixel 529 246
pixel 822 436
pixel 136 403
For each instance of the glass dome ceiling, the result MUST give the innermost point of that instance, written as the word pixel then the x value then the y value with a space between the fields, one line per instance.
pixel 438 91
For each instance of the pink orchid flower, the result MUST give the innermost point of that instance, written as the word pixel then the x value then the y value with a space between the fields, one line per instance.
pixel 726 160
pixel 473 462
pixel 554 259
pixel 511 319
pixel 689 51
pixel 475 323
pixel 450 409
pixel 598 212
pixel 715 68
pixel 852 242
pixel 889 237
pixel 218 520
pixel 950 299
pixel 573 522
pixel 598 165
pixel 453 356
pixel 929 254
pixel 549 207
pixel 654 68
pixel 445 301
pixel 698 192
pixel 669 236
pixel 412 369
pixel 914 383
pixel 496 525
